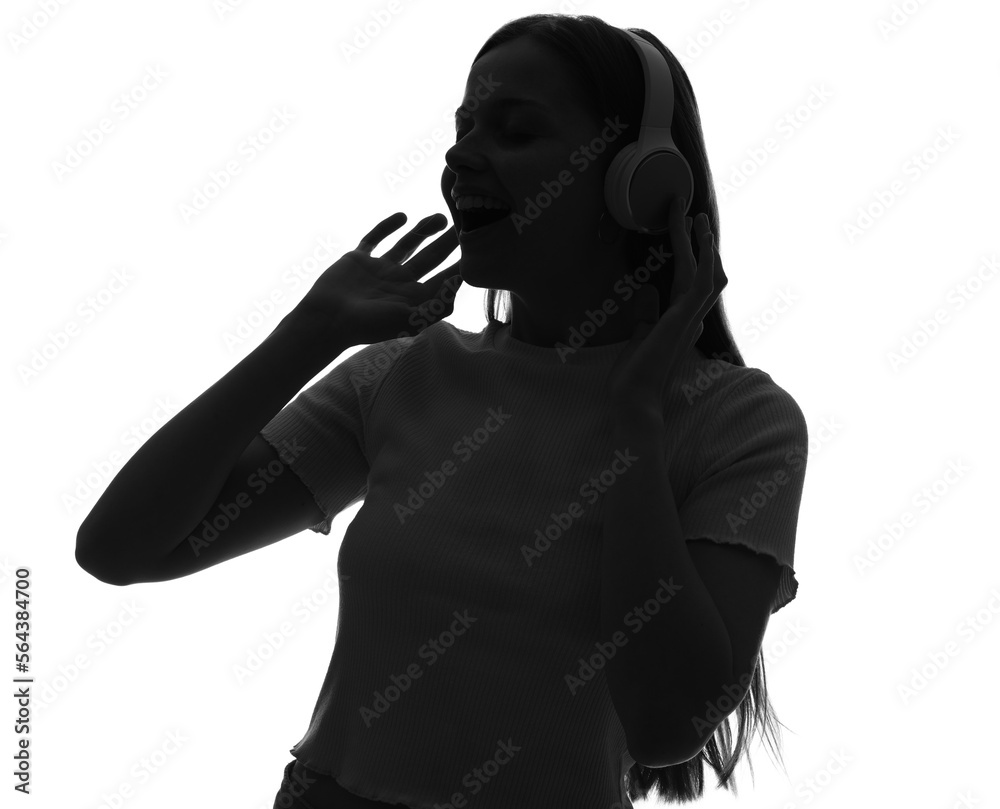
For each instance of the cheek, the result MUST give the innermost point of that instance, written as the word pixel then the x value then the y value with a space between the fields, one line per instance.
pixel 590 194
pixel 447 183
pixel 570 206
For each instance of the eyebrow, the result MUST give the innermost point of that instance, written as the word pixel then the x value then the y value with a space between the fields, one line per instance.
pixel 503 103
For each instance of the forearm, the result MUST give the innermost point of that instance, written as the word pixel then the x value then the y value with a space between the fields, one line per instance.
pixel 670 659
pixel 174 477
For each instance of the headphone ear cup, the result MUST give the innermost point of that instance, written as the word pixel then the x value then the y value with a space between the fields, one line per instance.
pixel 635 193
pixel 662 175
pixel 616 183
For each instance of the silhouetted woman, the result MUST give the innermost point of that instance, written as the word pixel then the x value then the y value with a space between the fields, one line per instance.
pixel 576 522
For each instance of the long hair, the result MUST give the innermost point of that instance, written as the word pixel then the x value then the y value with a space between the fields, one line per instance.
pixel 611 74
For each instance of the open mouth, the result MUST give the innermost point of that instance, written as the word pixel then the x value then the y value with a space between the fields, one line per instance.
pixel 474 219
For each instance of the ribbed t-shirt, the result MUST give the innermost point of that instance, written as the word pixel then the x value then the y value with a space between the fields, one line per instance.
pixel 470 577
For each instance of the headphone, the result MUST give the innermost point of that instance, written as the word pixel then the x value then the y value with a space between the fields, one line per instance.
pixel 646 174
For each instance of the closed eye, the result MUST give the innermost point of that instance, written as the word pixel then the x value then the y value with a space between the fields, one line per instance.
pixel 515 136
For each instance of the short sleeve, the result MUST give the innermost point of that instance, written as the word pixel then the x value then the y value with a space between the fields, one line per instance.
pixel 320 434
pixel 749 474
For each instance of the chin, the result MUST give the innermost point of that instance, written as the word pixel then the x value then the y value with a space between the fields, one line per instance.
pixel 475 275
pixel 470 276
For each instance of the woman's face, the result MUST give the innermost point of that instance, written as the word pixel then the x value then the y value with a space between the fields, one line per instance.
pixel 525 136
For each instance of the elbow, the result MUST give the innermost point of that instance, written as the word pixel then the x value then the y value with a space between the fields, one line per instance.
pixel 664 748
pixel 99 571
pixel 665 755
pixel 668 739
pixel 671 736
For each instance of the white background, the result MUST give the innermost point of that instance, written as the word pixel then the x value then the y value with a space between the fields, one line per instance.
pixel 895 77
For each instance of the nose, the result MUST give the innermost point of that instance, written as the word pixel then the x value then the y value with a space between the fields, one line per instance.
pixel 463 157
pixel 460 159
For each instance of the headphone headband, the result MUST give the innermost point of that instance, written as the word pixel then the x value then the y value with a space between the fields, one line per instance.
pixel 647 174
